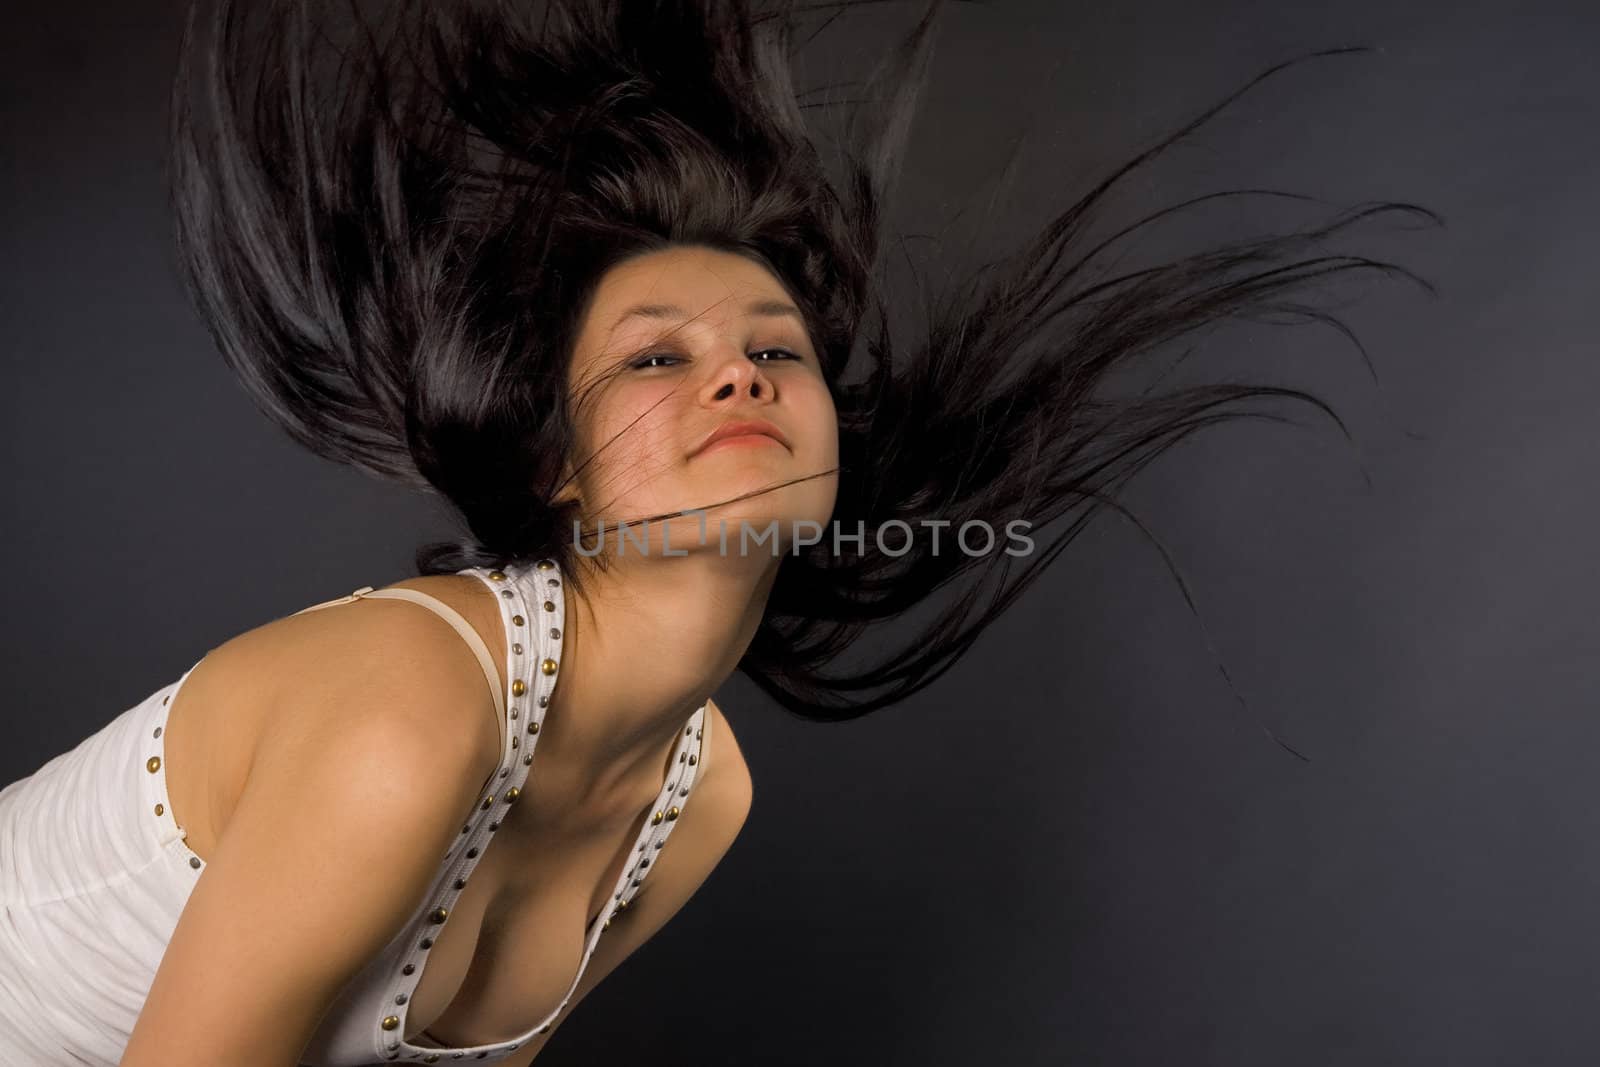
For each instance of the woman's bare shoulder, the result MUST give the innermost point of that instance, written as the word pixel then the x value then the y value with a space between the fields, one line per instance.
pixel 357 643
pixel 371 663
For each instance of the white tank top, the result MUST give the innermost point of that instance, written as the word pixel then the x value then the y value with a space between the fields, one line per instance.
pixel 94 870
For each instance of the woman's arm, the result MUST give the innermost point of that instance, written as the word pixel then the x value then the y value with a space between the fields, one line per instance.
pixel 356 789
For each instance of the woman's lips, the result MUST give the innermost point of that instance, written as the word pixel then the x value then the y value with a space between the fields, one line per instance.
pixel 740 440
pixel 741 432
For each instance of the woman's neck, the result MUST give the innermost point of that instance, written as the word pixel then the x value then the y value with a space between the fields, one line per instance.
pixel 647 640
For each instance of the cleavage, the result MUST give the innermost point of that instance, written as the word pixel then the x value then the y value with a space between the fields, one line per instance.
pixel 502 950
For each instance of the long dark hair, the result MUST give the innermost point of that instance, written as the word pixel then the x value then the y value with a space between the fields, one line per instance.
pixel 393 242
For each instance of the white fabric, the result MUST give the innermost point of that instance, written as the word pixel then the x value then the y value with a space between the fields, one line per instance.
pixel 93 881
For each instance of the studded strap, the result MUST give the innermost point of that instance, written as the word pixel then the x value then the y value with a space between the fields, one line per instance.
pixel 533 608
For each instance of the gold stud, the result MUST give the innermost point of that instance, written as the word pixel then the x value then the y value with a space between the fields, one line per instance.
pixel 160 808
pixel 517 648
pixel 517 620
pixel 549 605
pixel 194 861
pixel 548 666
pixel 605 925
pixel 533 727
pixel 496 576
pixel 519 687
pixel 512 794
pixel 439 915
pixel 655 820
pixel 391 1021
pixel 546 565
pixel 672 813
pixel 153 764
pixel 693 759
pixel 486 802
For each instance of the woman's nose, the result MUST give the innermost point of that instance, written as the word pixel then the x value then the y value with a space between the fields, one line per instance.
pixel 738 378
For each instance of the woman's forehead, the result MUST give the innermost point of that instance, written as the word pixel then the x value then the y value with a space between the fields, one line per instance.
pixel 668 287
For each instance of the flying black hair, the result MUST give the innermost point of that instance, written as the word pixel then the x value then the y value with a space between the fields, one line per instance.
pixel 392 241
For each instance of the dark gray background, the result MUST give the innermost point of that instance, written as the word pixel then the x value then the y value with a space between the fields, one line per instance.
pixel 1076 848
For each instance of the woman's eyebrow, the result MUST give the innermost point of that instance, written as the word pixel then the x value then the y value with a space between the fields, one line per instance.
pixel 760 308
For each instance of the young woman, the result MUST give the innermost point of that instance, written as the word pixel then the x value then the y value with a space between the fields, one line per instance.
pixel 569 265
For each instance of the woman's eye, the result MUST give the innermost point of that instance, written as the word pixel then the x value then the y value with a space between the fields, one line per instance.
pixel 667 359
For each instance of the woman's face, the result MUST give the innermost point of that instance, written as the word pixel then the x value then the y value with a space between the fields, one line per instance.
pixel 698 342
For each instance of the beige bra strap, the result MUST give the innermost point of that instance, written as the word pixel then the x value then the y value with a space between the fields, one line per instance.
pixel 449 615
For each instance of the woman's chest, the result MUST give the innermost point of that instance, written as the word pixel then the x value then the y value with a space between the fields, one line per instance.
pixel 502 962
pixel 512 948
